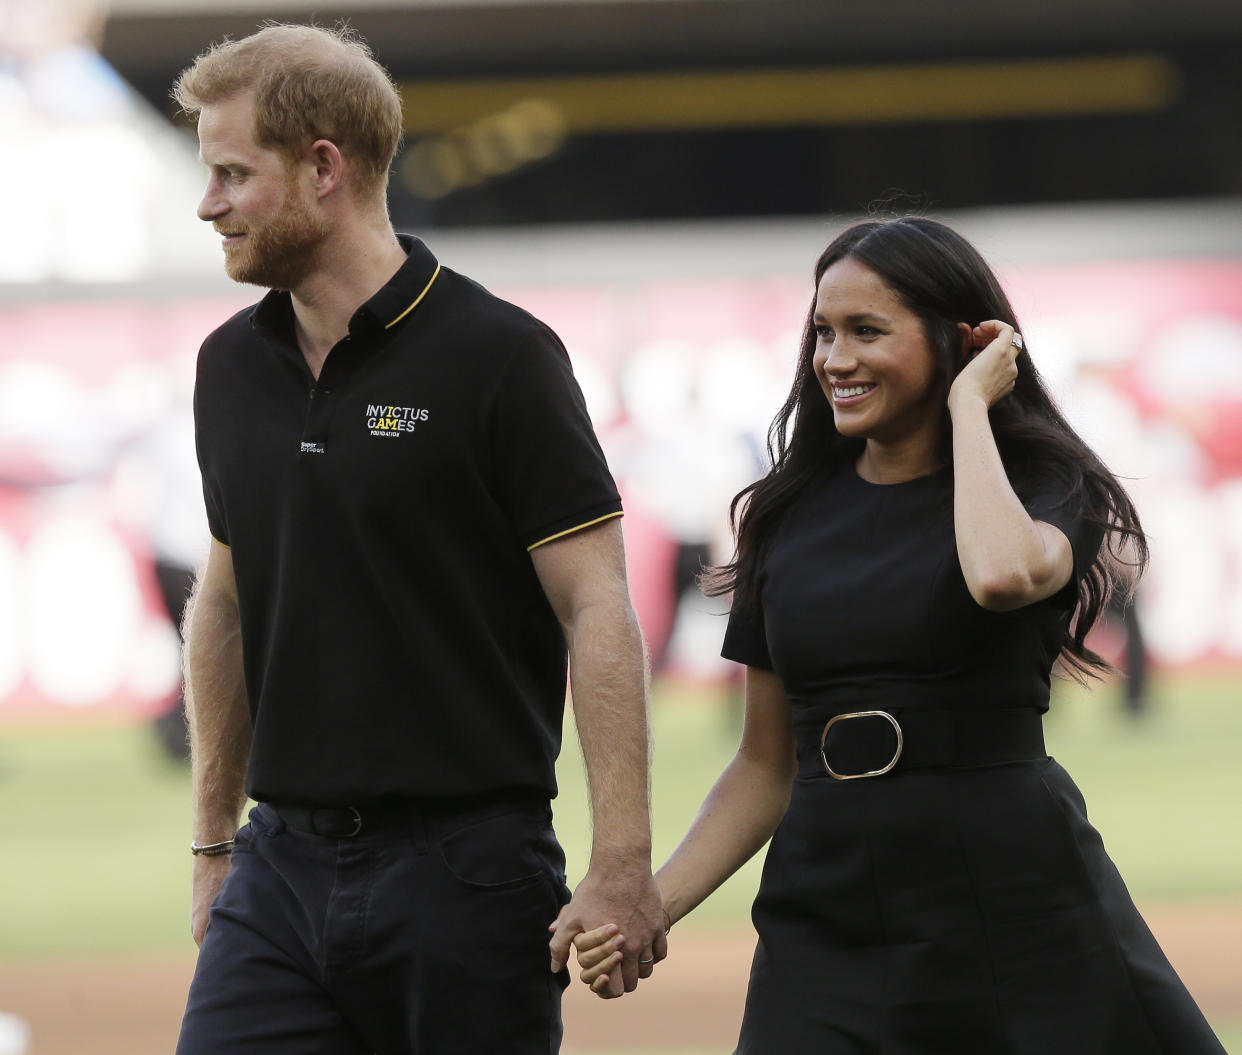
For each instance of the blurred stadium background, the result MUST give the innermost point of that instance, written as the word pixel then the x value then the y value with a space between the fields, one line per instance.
pixel 655 179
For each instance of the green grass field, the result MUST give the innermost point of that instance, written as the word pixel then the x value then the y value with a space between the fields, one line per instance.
pixel 94 822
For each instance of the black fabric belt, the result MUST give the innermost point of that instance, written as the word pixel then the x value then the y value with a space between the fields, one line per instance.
pixel 371 818
pixel 864 743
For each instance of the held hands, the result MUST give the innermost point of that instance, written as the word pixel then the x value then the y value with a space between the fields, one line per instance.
pixel 632 942
pixel 993 366
pixel 599 951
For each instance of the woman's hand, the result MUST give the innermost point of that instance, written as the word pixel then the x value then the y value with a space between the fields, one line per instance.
pixel 600 951
pixel 993 367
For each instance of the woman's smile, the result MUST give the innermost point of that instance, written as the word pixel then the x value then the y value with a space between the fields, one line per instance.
pixel 851 394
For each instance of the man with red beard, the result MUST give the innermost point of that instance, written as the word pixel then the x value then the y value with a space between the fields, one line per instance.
pixel 414 532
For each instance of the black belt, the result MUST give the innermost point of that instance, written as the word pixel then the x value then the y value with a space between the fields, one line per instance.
pixel 860 744
pixel 347 822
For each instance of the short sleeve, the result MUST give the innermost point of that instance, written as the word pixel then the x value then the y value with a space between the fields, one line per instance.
pixel 1085 537
pixel 745 639
pixel 215 519
pixel 552 477
pixel 216 522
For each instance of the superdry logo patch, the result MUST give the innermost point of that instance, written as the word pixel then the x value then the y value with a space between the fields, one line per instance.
pixel 391 422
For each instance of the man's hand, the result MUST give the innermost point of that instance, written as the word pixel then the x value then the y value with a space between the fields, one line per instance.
pixel 209 873
pixel 629 901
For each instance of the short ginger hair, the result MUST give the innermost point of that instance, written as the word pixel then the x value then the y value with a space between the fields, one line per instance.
pixel 309 83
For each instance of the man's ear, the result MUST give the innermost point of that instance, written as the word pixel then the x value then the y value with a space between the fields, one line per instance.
pixel 329 166
pixel 966 343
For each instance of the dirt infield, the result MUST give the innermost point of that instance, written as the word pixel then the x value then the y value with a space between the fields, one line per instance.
pixel 132 1007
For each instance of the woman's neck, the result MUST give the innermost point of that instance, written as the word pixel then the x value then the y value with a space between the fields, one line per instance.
pixel 882 463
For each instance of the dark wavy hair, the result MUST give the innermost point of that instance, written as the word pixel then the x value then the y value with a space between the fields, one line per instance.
pixel 944 280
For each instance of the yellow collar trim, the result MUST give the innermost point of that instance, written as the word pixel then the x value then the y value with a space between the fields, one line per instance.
pixel 394 322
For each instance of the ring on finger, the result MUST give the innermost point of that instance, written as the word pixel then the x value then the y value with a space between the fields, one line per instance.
pixel 1018 343
pixel 646 963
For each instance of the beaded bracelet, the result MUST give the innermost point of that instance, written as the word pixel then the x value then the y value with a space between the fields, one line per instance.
pixel 212 849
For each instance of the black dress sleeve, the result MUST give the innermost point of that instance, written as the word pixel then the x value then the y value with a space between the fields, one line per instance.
pixel 745 640
pixel 1085 536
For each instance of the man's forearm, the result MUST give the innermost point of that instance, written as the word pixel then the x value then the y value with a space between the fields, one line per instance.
pixel 584 579
pixel 218 714
pixel 609 685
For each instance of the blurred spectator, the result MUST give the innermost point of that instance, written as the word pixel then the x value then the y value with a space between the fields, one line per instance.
pixel 1095 401
pixel 49 55
pixel 686 459
pixel 167 504
pixel 62 108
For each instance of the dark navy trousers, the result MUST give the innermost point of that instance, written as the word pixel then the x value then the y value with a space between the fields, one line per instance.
pixel 426 938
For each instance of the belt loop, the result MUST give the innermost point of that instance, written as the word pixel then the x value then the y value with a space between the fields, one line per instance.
pixel 272 819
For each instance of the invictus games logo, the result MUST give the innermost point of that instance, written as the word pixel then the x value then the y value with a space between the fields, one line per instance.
pixel 391 422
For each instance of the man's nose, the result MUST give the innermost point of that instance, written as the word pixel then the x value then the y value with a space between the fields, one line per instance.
pixel 212 205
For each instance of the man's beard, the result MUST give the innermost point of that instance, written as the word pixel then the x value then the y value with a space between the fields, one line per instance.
pixel 280 253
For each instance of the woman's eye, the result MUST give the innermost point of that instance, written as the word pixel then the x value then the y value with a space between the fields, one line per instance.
pixel 824 333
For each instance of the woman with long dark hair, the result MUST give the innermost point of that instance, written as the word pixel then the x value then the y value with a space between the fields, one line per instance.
pixel 931 539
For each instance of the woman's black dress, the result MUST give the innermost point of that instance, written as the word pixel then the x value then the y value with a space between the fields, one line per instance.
pixel 966 908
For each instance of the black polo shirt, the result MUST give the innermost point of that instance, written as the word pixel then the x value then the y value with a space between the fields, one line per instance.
pixel 396 640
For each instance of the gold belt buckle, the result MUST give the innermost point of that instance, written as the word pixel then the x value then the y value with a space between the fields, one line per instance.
pixel 823 741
